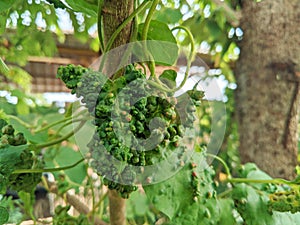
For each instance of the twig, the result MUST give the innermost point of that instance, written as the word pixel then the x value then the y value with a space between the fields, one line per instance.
pixel 59 140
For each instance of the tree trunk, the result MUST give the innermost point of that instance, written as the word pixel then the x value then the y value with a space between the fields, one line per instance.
pixel 267 74
pixel 114 12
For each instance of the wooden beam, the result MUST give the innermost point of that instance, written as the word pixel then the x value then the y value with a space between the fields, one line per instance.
pixel 53 60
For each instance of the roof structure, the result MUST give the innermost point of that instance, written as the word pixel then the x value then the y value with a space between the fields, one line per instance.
pixel 72 51
pixel 43 69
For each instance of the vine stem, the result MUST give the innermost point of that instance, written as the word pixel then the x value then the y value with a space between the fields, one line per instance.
pixel 230 179
pixel 53 124
pixel 223 163
pixel 190 57
pixel 151 64
pixel 47 169
pixel 27 125
pixel 59 121
pixel 59 140
pixel 258 181
pixel 99 23
pixel 67 124
pixel 148 19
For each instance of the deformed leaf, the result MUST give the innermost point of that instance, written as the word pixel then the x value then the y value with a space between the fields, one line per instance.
pixel 175 195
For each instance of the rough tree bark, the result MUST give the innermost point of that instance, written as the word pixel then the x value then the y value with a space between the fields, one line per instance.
pixel 114 12
pixel 267 74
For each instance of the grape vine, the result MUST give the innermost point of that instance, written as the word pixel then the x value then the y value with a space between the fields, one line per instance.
pixel 144 117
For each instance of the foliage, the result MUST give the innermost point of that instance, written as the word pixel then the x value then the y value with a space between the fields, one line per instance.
pixel 4 216
pixel 15 154
pixel 190 195
pixel 62 217
pixel 254 199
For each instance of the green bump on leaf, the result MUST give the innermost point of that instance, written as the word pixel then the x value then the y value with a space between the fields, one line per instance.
pixel 4 215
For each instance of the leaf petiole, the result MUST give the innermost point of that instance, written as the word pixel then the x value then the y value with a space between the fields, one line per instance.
pixel 48 169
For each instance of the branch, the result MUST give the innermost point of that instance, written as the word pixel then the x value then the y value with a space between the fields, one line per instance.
pixel 47 169
pixel 117 208
pixel 59 140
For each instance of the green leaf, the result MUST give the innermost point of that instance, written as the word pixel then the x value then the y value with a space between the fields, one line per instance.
pixel 20 77
pixel 252 204
pixel 3 17
pixel 22 107
pixel 212 211
pixel 168 15
pixel 84 6
pixel 169 78
pixel 4 215
pixel 214 29
pixel 9 158
pixel 163 46
pixel 3 67
pixel 40 137
pixel 226 216
pixel 10 155
pixel 6 4
pixel 174 195
pixel 169 75
pixel 68 156
pixel 137 205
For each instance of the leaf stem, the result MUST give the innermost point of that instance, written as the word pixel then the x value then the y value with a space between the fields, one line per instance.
pixel 59 140
pixel 59 121
pixel 223 163
pixel 100 27
pixel 258 181
pixel 148 19
pixel 47 169
pixel 151 63
pixel 190 57
pixel 27 125
pixel 53 124
pixel 67 124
